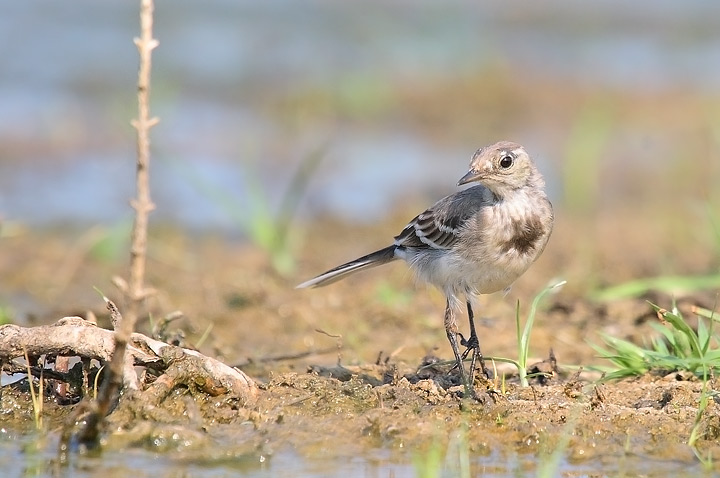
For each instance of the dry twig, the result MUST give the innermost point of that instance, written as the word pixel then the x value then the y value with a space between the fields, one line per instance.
pixel 143 205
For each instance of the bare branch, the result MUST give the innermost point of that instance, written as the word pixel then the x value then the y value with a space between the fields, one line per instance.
pixel 143 205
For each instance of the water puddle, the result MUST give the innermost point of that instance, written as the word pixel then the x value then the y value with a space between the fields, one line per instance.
pixel 30 459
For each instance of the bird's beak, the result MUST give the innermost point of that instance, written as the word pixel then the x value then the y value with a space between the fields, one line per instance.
pixel 469 177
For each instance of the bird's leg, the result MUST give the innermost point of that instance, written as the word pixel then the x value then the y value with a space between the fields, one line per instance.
pixel 472 343
pixel 452 333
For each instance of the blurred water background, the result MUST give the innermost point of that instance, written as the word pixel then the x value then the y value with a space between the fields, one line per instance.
pixel 395 96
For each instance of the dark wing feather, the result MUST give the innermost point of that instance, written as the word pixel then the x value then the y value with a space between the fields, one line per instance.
pixel 440 225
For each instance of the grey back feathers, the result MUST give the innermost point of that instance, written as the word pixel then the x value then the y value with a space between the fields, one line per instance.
pixel 439 226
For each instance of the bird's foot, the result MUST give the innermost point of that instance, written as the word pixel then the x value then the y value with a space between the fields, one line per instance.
pixel 472 344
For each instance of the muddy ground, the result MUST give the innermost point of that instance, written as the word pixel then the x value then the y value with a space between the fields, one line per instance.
pixel 340 367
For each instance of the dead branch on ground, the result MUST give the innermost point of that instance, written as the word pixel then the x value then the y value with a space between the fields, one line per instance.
pixel 176 366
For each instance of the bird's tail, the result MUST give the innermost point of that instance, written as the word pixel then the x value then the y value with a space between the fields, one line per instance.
pixel 373 259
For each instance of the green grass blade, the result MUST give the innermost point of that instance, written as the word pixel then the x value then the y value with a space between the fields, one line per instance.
pixel 524 337
pixel 666 284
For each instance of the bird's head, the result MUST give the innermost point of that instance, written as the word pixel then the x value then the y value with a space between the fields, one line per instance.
pixel 502 167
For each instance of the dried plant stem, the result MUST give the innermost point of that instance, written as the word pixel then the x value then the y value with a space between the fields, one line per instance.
pixel 143 205
pixel 135 290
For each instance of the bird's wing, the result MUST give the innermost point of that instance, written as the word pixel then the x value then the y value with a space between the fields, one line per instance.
pixel 439 226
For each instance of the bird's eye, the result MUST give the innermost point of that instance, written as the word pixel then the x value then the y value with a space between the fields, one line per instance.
pixel 506 161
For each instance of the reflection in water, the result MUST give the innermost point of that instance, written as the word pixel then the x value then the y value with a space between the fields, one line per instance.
pixel 37 455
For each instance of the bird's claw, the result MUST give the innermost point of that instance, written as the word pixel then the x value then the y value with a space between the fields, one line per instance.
pixel 472 343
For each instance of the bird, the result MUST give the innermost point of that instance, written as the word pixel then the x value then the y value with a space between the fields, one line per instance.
pixel 476 241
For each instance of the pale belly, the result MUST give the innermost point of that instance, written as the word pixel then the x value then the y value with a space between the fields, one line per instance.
pixel 455 276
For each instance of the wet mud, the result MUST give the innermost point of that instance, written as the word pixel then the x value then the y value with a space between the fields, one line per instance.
pixel 363 365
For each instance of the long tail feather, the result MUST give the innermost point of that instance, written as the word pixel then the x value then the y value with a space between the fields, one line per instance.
pixel 373 259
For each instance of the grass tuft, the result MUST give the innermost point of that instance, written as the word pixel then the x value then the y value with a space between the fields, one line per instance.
pixel 679 347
